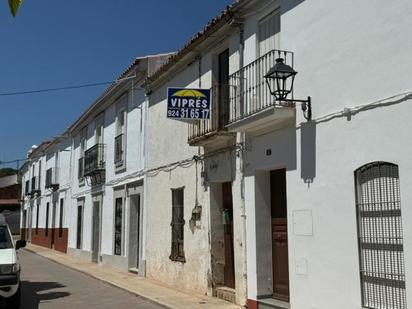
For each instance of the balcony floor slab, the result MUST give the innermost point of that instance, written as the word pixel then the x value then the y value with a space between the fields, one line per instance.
pixel 266 119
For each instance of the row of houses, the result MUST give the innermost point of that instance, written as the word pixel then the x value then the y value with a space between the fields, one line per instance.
pixel 270 203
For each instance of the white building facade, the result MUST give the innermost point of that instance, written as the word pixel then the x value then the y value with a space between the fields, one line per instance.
pixel 258 205
pixel 108 219
pixel 317 219
pixel 46 178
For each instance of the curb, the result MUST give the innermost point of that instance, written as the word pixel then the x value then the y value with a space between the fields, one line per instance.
pixel 157 302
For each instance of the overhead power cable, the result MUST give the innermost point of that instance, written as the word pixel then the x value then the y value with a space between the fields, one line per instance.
pixel 54 89
pixel 3 94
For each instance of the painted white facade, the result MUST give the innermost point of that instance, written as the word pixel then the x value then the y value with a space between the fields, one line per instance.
pixel 124 181
pixel 352 59
pixel 342 54
pixel 55 156
pixel 339 52
pixel 167 145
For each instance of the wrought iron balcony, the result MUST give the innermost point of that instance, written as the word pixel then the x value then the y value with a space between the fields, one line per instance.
pixel 201 132
pixel 118 150
pixel 52 181
pixel 94 160
pixel 250 99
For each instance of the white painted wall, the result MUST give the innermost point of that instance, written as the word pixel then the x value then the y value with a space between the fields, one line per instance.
pixel 167 143
pixel 347 54
pixel 134 164
pixel 47 159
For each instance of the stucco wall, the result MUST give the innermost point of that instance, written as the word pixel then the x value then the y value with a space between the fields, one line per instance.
pixel 347 54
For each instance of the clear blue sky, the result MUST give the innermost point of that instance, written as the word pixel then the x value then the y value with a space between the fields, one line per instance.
pixel 53 43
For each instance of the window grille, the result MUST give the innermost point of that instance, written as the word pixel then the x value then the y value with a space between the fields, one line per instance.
pixel 380 238
pixel 118 226
pixel 177 224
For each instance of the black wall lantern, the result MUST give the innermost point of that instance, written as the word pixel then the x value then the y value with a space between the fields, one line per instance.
pixel 280 79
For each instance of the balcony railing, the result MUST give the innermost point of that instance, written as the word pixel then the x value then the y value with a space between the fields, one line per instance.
pixel 249 91
pixel 118 150
pixel 52 178
pixel 94 160
pixel 219 115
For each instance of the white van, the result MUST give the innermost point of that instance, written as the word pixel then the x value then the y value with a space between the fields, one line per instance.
pixel 9 267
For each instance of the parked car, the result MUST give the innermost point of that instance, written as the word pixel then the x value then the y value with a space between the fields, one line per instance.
pixel 9 267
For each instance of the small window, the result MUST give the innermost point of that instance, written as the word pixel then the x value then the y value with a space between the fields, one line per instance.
pixel 118 226
pixel 61 218
pixel 177 224
pixel 380 237
pixel 47 218
pixel 79 226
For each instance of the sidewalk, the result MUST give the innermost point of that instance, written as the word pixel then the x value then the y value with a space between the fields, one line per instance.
pixel 149 289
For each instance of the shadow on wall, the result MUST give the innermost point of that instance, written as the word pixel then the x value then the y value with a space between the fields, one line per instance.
pixel 287 5
pixel 308 151
pixel 35 292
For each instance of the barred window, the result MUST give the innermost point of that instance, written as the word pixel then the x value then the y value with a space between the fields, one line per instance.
pixel 118 222
pixel 177 224
pixel 380 239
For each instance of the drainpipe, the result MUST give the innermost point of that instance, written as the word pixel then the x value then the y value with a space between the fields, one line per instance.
pixel 142 262
pixel 241 164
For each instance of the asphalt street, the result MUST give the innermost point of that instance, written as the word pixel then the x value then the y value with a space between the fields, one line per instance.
pixel 48 285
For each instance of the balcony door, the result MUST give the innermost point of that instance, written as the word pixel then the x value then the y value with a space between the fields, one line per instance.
pixel 99 138
pixel 99 129
pixel 223 88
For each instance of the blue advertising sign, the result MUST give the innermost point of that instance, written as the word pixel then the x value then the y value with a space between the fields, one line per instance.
pixel 185 103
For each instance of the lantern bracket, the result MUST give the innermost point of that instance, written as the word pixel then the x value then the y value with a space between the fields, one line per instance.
pixel 306 106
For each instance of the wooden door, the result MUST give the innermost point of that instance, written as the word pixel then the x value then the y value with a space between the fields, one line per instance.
pixel 134 232
pixel 24 225
pixel 229 275
pixel 279 235
pixel 53 225
pixel 96 232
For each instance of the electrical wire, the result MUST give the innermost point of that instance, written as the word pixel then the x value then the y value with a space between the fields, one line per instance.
pixel 3 94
